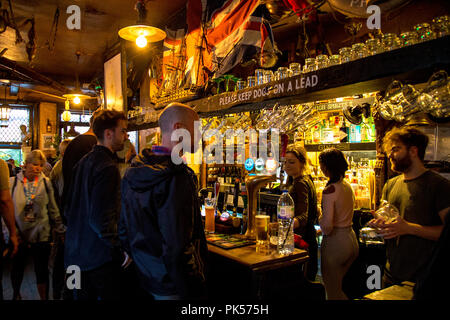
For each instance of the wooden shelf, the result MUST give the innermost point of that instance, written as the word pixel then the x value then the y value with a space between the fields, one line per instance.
pixel 412 64
pixel 345 146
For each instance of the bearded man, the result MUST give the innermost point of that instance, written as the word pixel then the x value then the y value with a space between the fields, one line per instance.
pixel 422 198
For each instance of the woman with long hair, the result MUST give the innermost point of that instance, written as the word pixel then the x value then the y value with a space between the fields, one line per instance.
pixel 303 192
pixel 339 245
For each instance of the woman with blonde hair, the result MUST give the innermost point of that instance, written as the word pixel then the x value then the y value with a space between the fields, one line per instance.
pixel 36 213
pixel 303 192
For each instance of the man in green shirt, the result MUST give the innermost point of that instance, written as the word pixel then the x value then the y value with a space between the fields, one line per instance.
pixel 7 213
pixel 422 198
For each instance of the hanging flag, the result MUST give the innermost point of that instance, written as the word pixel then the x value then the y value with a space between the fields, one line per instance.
pixel 300 7
pixel 236 30
pixel 221 34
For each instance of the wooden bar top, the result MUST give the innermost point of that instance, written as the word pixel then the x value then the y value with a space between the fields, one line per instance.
pixel 247 256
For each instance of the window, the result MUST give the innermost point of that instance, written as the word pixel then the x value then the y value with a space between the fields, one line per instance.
pixel 10 133
pixel 15 154
pixel 80 122
pixel 134 139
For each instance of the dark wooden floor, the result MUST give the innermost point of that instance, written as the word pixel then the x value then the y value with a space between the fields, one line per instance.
pixel 28 291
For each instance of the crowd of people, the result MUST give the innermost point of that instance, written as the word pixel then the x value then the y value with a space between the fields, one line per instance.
pixel 138 233
pixel 420 195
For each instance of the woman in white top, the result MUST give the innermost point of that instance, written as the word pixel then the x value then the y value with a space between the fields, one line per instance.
pixel 339 245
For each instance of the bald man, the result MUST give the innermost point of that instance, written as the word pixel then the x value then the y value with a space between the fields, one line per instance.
pixel 161 226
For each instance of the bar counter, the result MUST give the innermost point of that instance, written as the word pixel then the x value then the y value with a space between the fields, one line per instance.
pixel 242 273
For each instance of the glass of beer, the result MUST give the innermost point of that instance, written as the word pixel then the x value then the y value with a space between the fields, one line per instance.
pixel 273 235
pixel 262 234
pixel 210 211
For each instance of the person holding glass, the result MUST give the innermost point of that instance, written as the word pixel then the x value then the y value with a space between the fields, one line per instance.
pixel 339 245
pixel 36 213
pixel 303 192
pixel 421 196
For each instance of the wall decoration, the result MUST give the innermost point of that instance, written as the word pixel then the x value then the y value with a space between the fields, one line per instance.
pixel 47 142
pixel 113 83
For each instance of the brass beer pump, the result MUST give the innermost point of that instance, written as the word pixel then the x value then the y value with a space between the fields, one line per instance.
pixel 253 184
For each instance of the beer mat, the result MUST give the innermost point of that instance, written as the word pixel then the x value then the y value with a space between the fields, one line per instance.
pixel 226 241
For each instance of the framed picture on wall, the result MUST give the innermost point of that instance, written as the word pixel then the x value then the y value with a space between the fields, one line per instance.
pixel 47 142
pixel 113 84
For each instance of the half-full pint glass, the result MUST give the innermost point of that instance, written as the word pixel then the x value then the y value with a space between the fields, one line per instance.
pixel 262 234
pixel 209 215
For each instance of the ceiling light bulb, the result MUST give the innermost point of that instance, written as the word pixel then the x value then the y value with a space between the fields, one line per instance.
pixel 76 100
pixel 141 41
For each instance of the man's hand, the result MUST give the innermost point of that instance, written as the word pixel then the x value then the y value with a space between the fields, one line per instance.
pixel 127 260
pixel 396 228
pixel 15 243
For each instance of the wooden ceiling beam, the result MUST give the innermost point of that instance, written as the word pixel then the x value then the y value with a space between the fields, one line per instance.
pixel 22 71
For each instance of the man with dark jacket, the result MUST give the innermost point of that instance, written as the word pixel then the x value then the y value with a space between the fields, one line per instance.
pixel 76 149
pixel 92 212
pixel 161 226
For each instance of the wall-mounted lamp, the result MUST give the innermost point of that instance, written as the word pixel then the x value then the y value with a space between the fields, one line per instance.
pixel 4 112
pixel 49 126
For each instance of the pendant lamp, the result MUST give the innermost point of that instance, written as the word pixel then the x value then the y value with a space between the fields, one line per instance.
pixel 66 114
pixel 76 95
pixel 141 33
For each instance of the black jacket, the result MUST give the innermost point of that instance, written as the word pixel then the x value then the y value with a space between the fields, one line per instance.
pixel 76 149
pixel 92 211
pixel 161 226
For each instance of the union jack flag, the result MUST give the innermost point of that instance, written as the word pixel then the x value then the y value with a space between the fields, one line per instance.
pixel 222 33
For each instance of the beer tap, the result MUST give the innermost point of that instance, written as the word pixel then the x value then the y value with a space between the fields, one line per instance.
pixel 253 185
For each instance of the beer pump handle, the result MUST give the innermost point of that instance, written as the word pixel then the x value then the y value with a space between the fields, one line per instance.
pixel 284 143
pixel 216 191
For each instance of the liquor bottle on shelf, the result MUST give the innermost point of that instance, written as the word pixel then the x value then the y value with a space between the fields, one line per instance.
pixel 328 134
pixel 372 131
pixel 316 134
pixel 365 132
pixel 355 133
pixel 352 164
pixel 335 128
pixel 354 183
pixel 308 137
pixel 344 129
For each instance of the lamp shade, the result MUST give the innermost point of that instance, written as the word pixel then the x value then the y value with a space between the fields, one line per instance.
pixel 76 94
pixel 141 31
